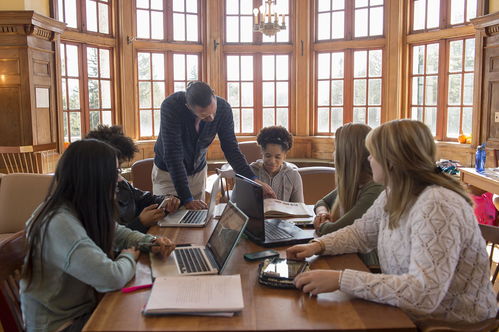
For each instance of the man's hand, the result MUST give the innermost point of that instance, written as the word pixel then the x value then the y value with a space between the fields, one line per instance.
pixel 320 219
pixel 196 205
pixel 171 204
pixel 318 281
pixel 302 251
pixel 150 215
pixel 268 192
pixel 165 247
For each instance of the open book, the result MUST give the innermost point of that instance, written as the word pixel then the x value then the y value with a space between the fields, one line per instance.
pixel 219 295
pixel 275 208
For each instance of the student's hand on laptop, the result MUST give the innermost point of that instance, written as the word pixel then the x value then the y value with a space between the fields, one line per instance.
pixel 132 251
pixel 172 204
pixel 196 205
pixel 302 251
pixel 150 215
pixel 268 192
pixel 318 281
pixel 320 219
pixel 164 248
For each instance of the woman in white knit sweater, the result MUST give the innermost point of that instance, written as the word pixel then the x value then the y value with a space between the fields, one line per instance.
pixel 431 252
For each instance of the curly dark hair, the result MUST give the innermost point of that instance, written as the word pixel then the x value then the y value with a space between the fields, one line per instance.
pixel 275 135
pixel 114 136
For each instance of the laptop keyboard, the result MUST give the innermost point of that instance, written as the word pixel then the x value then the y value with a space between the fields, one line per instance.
pixel 273 232
pixel 191 260
pixel 194 217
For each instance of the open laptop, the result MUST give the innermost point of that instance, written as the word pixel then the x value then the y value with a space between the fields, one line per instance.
pixel 248 196
pixel 192 218
pixel 209 259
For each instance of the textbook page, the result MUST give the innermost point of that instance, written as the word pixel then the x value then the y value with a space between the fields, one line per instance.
pixel 277 208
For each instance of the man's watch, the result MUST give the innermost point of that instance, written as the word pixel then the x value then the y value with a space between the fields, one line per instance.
pixel 323 247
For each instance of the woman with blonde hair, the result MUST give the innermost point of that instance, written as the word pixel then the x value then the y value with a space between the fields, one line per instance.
pixel 355 190
pixel 432 255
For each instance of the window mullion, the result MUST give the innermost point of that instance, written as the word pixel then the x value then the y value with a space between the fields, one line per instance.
pixel 348 89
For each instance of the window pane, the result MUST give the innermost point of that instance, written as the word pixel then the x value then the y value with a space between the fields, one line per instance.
pixel 453 121
pixel 417 113
pixel 232 29
pixel 323 120
pixel 359 115
pixel 282 117
pixel 232 7
pixel 145 123
pixel 143 24
pixel 93 94
pixel 247 120
pixel 339 25
pixel 417 90
pixel 92 62
pixel 157 25
pixel 246 94
pixel 336 118
pixel 338 4
pixel 471 9
pixel 233 93
pixel 94 119
pixel 103 18
pixel 72 60
pixel 282 67
pixel 268 117
pixel 456 56
pixel 337 61
pixel 431 90
pixel 91 16
pixel 454 89
pixel 283 35
pixel 64 95
pixel 419 14
pixel 282 93
pixel 158 93
pixel 268 94
pixel 432 59
pixel 337 93
pixel 361 3
pixel 232 68
pixel 323 93
pixel 360 63
pixel 469 61
pixel 158 65
pixel 178 5
pixel 179 26
pixel 191 6
pixel 324 26
pixel 323 5
pixel 156 4
pixel 359 96
pixel 75 125
pixel 268 72
pixel 237 120
pixel 467 120
pixel 246 7
pixel 468 89
pixel 376 2
pixel 144 95
pixel 247 67
pixel 74 94
pixel 418 60
pixel 375 92
pixel 433 14
pixel 157 121
pixel 65 120
pixel 375 62
pixel 178 86
pixel 142 3
pixel 246 29
pixel 70 13
pixel 457 11
pixel 144 66
pixel 105 67
pixel 192 67
pixel 360 22
pixel 431 119
pixel 179 67
pixel 323 65
pixel 106 93
pixel 192 30
pixel 376 21
pixel 374 116
pixel 63 59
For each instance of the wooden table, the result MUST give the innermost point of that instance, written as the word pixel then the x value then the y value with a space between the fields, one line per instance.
pixel 265 309
pixel 488 181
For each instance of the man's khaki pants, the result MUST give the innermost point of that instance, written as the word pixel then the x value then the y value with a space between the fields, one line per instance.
pixel 162 183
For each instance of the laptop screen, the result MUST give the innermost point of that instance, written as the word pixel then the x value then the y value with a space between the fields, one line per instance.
pixel 248 196
pixel 226 234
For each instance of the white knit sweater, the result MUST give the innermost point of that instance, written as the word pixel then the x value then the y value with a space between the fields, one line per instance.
pixel 434 264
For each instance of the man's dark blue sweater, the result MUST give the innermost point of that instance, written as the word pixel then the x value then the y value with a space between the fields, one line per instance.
pixel 181 150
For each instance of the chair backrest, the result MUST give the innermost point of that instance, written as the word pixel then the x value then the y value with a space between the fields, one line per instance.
pixel 491 236
pixel 20 194
pixel 141 174
pixel 12 252
pixel 250 150
pixel 317 182
pixel 23 159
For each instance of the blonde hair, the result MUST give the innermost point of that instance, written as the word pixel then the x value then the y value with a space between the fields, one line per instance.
pixel 352 166
pixel 406 152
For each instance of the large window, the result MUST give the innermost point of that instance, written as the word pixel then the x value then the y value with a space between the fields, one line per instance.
pixel 86 15
pixel 440 14
pixel 174 20
pixel 160 74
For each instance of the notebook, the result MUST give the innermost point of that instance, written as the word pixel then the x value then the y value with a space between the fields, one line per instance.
pixel 248 196
pixel 192 218
pixel 209 259
pixel 195 295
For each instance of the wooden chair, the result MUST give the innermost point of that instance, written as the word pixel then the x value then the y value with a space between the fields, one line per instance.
pixel 491 236
pixel 317 182
pixel 250 150
pixel 141 174
pixel 12 252
pixel 24 159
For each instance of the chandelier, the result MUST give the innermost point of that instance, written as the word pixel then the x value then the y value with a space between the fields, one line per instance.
pixel 266 19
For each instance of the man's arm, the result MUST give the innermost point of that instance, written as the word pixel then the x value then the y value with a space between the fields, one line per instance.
pixel 173 152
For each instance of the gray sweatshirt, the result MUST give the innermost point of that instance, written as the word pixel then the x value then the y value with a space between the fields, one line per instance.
pixel 286 184
pixel 74 268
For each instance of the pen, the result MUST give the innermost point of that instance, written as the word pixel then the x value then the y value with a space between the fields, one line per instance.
pixel 134 288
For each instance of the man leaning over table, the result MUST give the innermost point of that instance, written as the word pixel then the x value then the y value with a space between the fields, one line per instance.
pixel 189 122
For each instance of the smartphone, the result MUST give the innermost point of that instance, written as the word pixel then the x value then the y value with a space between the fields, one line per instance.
pixel 255 256
pixel 282 268
pixel 162 205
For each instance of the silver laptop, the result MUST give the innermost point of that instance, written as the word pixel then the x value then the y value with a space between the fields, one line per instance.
pixel 209 259
pixel 192 218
